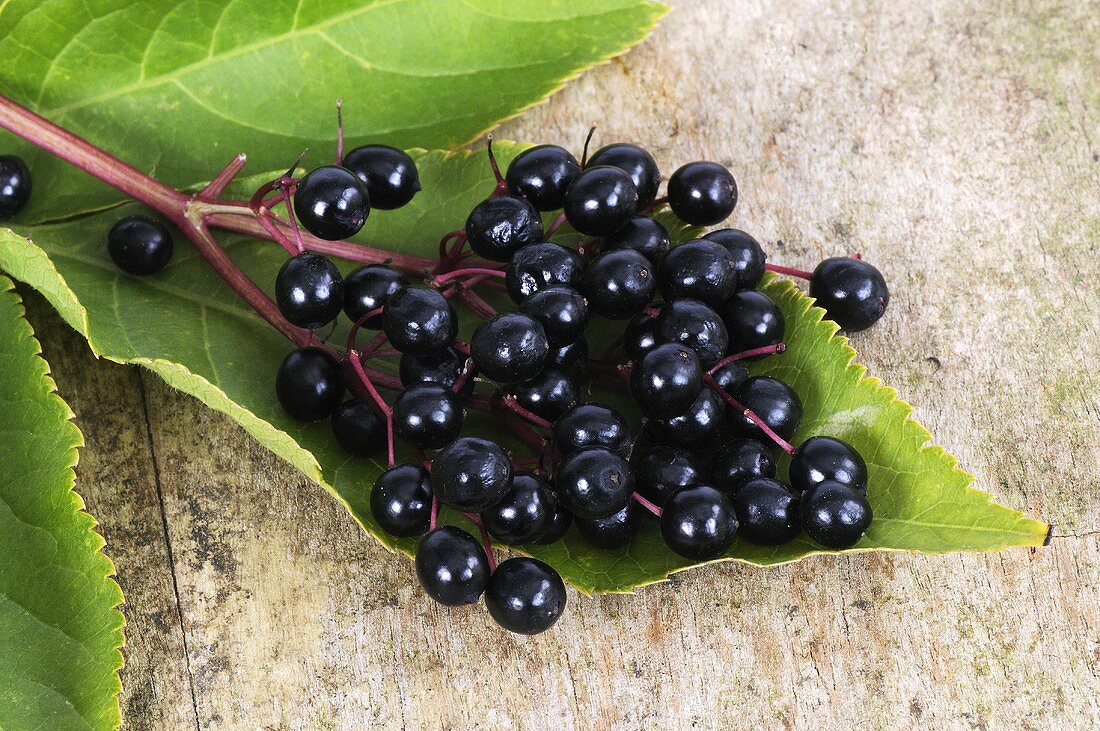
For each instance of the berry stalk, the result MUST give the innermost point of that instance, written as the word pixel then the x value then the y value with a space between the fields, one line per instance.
pixel 789 271
pixel 749 414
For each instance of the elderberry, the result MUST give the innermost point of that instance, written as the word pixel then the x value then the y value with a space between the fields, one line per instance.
pixel 525 596
pixel 509 348
pixel 15 186
pixel 309 290
pixel 331 202
pixel 389 174
pixel 600 201
pixel 498 227
pixel 542 174
pixel 368 288
pixel 309 384
pixel 452 566
pixel 614 531
pixel 541 266
pixel 853 292
pixel 635 162
pixel 401 500
pixel 702 193
pixel 138 245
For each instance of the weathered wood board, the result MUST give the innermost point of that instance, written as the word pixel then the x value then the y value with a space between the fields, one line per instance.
pixel 956 144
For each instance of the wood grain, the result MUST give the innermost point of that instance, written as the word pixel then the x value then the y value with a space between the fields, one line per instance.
pixel 954 143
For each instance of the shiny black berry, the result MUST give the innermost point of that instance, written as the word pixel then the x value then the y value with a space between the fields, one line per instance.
pixel 666 381
pixel 594 482
pixel 331 203
pixel 452 566
pixel 738 461
pixel 368 288
pixel 389 175
pixel 642 234
pixel 471 474
pixel 752 320
pixel 600 201
pixel 640 335
pixel 558 527
pixel 773 401
pixel 731 377
pixel 834 515
pixel 592 425
pixel 139 245
pixel 698 522
pixel 701 423
pixel 748 256
pixel 702 193
pixel 309 290
pixel 401 500
pixel 500 226
pixel 695 325
pixel 525 513
pixel 358 429
pixel 570 359
pixel 15 185
pixel 549 394
pixel 767 512
pixel 618 284
pixel 419 321
pixel 443 367
pixel 615 531
pixel 664 470
pixel 541 266
pixel 427 416
pixel 562 312
pixel 853 293
pixel 309 384
pixel 509 348
pixel 820 459
pixel 542 174
pixel 525 596
pixel 635 162
pixel 697 269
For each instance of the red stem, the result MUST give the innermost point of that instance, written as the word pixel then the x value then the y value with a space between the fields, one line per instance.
pixel 789 271
pixel 380 403
pixel 554 227
pixel 510 403
pixel 651 507
pixel 433 521
pixel 762 350
pixel 734 403
pixel 478 306
pixel 468 272
pixel 485 542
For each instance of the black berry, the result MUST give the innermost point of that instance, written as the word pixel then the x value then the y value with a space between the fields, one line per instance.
pixel 525 513
pixel 635 162
pixel 358 429
pixel 821 459
pixel 618 284
pixel 15 186
pixel 702 193
pixel 471 474
pixel 427 416
pixel 698 269
pixel 525 596
pixel 498 227
pixel 401 500
pixel 834 515
pixel 368 288
pixel 767 512
pixel 309 290
pixel 389 175
pixel 570 359
pixel 452 566
pixel 614 531
pixel 443 367
pixel 509 348
pixel 666 381
pixel 309 384
pixel 773 401
pixel 738 461
pixel 562 312
pixel 694 325
pixel 541 266
pixel 853 292
pixel 138 245
pixel 592 425
pixel 664 470
pixel 748 256
pixel 640 335
pixel 702 422
pixel 419 321
pixel 642 234
pixel 594 482
pixel 698 522
pixel 331 203
pixel 600 201
pixel 558 527
pixel 542 174
pixel 548 395
pixel 752 320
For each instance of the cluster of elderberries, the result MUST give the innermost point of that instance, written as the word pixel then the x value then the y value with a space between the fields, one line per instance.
pixel 690 318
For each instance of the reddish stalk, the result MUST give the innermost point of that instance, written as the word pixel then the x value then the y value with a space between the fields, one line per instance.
pixel 734 403
pixel 651 507
pixel 433 521
pixel 467 272
pixel 380 404
pixel 762 350
pixel 554 227
pixel 221 181
pixel 789 271
pixel 485 542
pixel 354 331
pixel 501 186
pixel 477 305
pixel 509 402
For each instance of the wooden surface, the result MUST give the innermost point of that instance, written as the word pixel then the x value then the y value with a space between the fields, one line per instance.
pixel 956 143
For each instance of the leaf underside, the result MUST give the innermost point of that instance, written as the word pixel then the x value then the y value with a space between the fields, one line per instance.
pixel 188 327
pixel 60 631
pixel 183 85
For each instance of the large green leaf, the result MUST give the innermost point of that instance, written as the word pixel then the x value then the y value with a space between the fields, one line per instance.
pixel 182 85
pixel 60 632
pixel 187 326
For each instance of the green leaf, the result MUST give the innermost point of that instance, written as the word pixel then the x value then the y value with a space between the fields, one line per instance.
pixel 181 86
pixel 191 329
pixel 60 632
